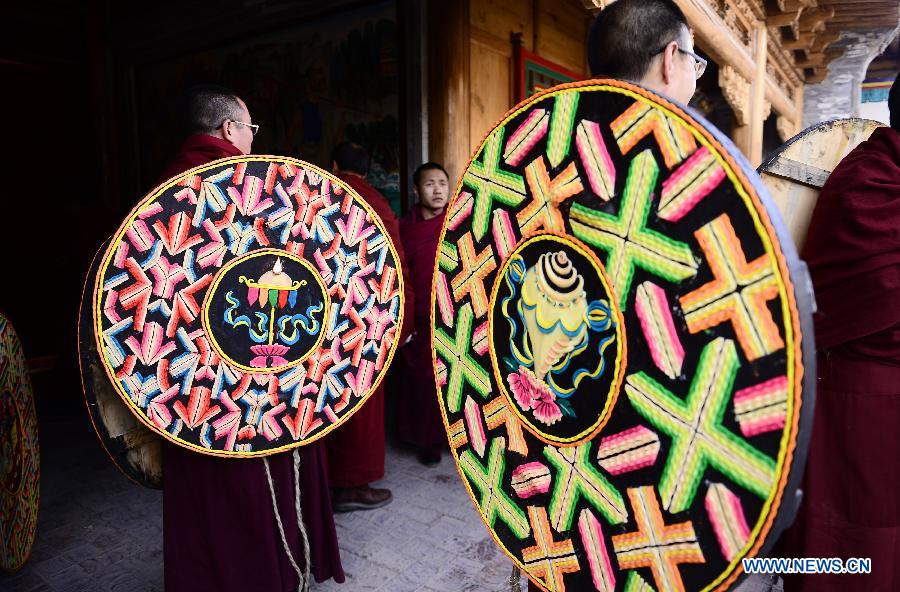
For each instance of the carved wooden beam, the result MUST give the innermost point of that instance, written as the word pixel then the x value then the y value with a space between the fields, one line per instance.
pixel 789 5
pixel 782 19
pixel 820 58
pixel 804 42
pixel 736 90
pixel 833 54
pixel 812 60
pixel 814 18
pixel 785 128
pixel 824 39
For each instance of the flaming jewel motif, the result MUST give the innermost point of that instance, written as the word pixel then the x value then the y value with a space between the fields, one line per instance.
pixel 275 291
pixel 552 325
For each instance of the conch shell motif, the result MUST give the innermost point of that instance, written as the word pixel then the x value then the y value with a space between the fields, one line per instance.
pixel 554 307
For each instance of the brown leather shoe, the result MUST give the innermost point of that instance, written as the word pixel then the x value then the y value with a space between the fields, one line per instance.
pixel 363 497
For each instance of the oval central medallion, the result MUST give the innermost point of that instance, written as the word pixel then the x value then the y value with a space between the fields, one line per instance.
pixel 557 341
pixel 265 311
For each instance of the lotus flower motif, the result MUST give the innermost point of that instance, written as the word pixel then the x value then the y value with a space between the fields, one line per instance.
pixel 530 393
pixel 264 352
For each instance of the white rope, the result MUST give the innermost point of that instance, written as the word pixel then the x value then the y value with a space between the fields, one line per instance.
pixel 515 584
pixel 303 586
pixel 303 536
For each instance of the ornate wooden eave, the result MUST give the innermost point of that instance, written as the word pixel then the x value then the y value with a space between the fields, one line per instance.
pixel 767 50
pixel 735 34
pixel 808 27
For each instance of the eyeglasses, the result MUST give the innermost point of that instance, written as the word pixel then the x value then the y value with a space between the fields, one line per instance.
pixel 699 63
pixel 253 127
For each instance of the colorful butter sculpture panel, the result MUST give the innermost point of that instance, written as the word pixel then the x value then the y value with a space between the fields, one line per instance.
pixel 19 454
pixel 135 449
pixel 622 344
pixel 248 306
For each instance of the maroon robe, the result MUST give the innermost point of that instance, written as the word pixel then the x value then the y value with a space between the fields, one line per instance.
pixel 219 529
pixel 356 449
pixel 851 503
pixel 419 419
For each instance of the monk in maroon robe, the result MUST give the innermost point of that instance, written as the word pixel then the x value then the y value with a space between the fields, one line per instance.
pixel 219 526
pixel 356 449
pixel 851 503
pixel 419 421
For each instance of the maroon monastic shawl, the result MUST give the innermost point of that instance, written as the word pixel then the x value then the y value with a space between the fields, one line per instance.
pixel 356 449
pixel 219 529
pixel 851 502
pixel 853 247
pixel 419 419
pixel 197 150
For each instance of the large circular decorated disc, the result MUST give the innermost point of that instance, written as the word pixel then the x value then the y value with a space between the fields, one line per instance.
pixel 622 341
pixel 248 306
pixel 19 454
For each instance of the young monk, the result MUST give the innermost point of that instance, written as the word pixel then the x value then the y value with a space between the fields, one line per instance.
pixel 419 420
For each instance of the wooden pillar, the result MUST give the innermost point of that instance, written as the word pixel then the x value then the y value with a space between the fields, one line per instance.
pixel 740 135
pixel 413 98
pixel 448 85
pixel 798 101
pixel 758 94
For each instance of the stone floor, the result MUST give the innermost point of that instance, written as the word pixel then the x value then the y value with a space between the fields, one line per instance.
pixel 99 532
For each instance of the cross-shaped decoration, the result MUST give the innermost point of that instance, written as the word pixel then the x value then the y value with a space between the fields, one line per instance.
pixel 546 197
pixel 462 366
pixel 640 120
pixel 576 478
pixel 496 414
pixel 491 184
pixel 738 293
pixel 654 544
pixel 488 480
pixel 548 560
pixel 627 239
pixel 694 423
pixel 474 269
